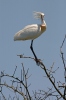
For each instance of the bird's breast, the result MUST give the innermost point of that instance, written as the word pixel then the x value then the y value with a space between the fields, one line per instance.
pixel 43 28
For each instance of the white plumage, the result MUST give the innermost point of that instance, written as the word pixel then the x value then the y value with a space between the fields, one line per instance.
pixel 31 31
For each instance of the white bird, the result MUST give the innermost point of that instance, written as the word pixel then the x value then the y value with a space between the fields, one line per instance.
pixel 32 32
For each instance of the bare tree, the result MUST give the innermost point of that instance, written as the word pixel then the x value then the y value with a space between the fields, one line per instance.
pixel 21 86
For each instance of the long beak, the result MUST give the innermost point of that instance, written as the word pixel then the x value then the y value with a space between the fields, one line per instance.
pixel 42 19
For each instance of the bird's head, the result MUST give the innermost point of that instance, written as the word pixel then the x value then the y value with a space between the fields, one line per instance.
pixel 42 17
pixel 39 15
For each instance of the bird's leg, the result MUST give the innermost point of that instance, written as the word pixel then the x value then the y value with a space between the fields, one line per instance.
pixel 31 47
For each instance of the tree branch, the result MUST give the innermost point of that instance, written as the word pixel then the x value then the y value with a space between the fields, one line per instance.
pixel 13 88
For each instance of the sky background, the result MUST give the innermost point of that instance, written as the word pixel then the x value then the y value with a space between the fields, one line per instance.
pixel 15 15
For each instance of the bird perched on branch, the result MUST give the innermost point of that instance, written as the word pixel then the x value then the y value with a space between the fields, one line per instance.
pixel 31 32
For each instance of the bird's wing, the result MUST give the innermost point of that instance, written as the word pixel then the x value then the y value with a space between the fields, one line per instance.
pixel 29 32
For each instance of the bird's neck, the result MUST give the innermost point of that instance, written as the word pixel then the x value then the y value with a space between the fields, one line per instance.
pixel 43 22
pixel 43 26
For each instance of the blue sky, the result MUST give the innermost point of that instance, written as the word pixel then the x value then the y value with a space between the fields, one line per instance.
pixel 15 15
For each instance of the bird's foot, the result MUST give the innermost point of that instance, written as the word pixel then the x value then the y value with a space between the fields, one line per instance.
pixel 37 61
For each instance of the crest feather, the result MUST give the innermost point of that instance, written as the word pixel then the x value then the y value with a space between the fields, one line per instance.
pixel 38 15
